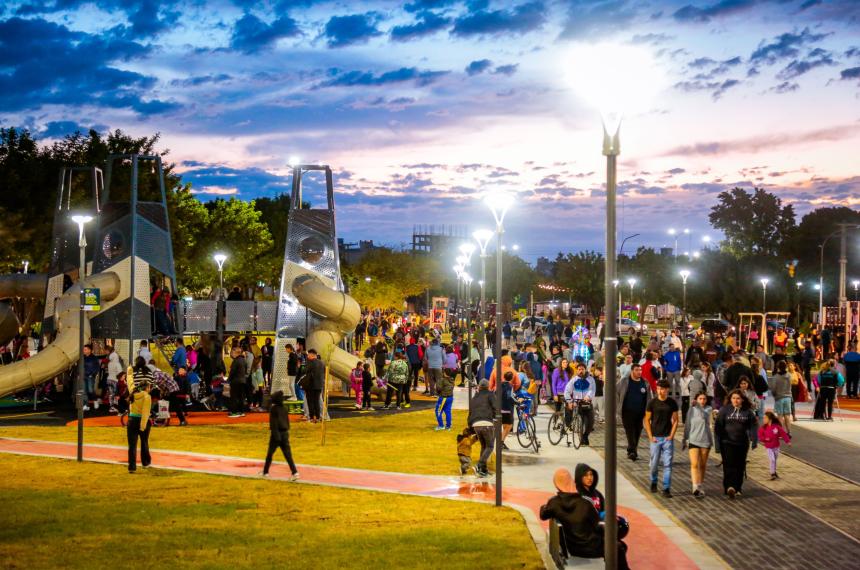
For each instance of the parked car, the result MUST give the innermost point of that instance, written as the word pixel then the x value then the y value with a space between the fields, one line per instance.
pixel 540 324
pixel 629 326
pixel 716 326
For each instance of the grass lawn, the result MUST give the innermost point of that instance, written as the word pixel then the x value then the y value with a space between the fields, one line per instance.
pixel 58 514
pixel 384 441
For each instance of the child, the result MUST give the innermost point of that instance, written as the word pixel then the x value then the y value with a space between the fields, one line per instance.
pixel 366 387
pixel 769 434
pixel 279 437
pixel 356 383
pixel 258 381
pixel 465 441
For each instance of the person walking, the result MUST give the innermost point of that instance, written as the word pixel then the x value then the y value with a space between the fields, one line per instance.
pixel 661 422
pixel 780 387
pixel 138 421
pixel 482 412
pixel 315 385
pixel 435 357
pixel 279 435
pixel 828 384
pixel 236 380
pixel 397 380
pixel 633 395
pixel 698 439
pixel 851 359
pixel 769 435
pixel 444 401
pixel 734 429
pixel 674 364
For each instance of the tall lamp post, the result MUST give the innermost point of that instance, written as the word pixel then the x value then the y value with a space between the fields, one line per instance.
pixel 499 204
pixel 631 281
pixel 26 266
pixel 483 238
pixel 684 275
pixel 220 258
pixel 615 283
pixel 799 284
pixel 856 284
pixel 764 282
pixel 82 220
pixel 467 279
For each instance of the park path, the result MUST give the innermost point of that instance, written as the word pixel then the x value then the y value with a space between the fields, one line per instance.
pixel 649 546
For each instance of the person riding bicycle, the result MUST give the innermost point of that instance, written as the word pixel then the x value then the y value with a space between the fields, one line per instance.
pixel 579 393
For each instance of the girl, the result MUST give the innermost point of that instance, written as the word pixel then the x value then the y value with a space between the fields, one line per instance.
pixel 709 379
pixel 257 383
pixel 366 387
pixel 780 387
pixel 769 434
pixel 138 421
pixel 697 437
pixel 686 378
pixel 279 426
pixel 356 381
pixel 734 428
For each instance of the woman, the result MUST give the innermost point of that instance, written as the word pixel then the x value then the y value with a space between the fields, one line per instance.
pixel 759 383
pixel 451 363
pixel 697 437
pixel 138 420
pixel 474 359
pixel 798 388
pixel 709 379
pixel 780 387
pixel 279 436
pixel 560 377
pixel 380 355
pixel 527 379
pixel 734 429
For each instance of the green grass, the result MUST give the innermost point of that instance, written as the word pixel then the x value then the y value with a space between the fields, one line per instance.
pixel 58 514
pixel 383 441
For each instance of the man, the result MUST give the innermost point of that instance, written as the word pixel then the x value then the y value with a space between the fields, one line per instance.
pixel 236 379
pixel 315 385
pixel 92 367
pixel 507 332
pixel 413 354
pixel 673 368
pixel 852 369
pixel 180 356
pixel 735 371
pixel 636 346
pixel 482 412
pixel 267 352
pixel 580 392
pixel 435 357
pixel 632 396
pixel 807 360
pixel 661 422
pixel 625 368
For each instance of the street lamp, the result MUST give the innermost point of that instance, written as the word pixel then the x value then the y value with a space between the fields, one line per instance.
pixel 26 266
pixel 856 284
pixel 482 237
pixel 467 279
pixel 674 234
pixel 220 258
pixel 498 205
pixel 367 279
pixel 631 281
pixel 615 283
pixel 684 275
pixel 82 220
pixel 799 284
pixel 764 282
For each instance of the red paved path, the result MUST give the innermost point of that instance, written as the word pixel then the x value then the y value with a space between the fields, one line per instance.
pixel 649 546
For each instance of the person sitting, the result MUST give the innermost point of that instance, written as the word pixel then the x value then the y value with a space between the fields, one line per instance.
pixel 579 519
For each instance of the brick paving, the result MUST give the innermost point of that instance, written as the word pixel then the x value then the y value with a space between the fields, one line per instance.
pixel 835 455
pixel 760 530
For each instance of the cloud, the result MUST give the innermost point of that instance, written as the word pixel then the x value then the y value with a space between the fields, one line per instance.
pixel 59 129
pixel 674 171
pixel 478 66
pixel 785 46
pixel 369 78
pixel 690 13
pixel 251 35
pixel 589 19
pixel 423 5
pixel 756 144
pixel 216 190
pixel 341 31
pixel 651 39
pixel 427 23
pixel 718 68
pixel 816 58
pixel 213 180
pixel 44 63
pixel 717 88
pixel 519 20
pixel 785 87
pixel 850 74
pixel 197 80
pixel 508 70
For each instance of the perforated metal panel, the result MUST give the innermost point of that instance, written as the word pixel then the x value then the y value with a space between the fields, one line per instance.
pixel 239 315
pixel 267 315
pixel 55 289
pixel 141 280
pixel 150 241
pixel 200 316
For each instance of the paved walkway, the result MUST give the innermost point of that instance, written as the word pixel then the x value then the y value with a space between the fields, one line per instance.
pixel 648 543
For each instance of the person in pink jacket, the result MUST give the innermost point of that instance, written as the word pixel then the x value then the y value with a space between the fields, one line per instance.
pixel 355 383
pixel 769 435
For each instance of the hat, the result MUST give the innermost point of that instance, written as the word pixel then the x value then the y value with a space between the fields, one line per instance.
pixel 563 481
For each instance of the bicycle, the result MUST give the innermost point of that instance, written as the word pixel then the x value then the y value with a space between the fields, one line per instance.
pixel 526 430
pixel 558 428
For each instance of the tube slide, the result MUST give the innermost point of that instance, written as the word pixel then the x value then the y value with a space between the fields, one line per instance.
pixel 341 314
pixel 61 354
pixel 31 286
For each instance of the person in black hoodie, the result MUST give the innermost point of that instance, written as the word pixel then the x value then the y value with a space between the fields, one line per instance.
pixel 279 426
pixel 734 429
pixel 583 533
pixel 586 485
pixel 482 412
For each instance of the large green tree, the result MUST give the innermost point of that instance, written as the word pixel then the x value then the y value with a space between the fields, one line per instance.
pixel 394 276
pixel 754 223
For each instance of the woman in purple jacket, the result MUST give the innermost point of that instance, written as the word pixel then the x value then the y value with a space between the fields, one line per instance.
pixel 560 377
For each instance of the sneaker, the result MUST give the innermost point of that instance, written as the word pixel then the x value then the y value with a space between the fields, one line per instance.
pixel 477 471
pixel 113 410
pixel 294 477
pixel 241 414
pixel 96 404
pixel 438 428
pixel 585 442
pixel 448 428
pixel 731 492
pixel 653 487
pixel 697 493
pixel 701 493
pixel 86 408
pixel 773 476
pixel 263 474
pixel 183 423
pixel 234 415
pixel 132 471
pixel 667 493
pixel 206 405
pixel 147 466
pixel 407 406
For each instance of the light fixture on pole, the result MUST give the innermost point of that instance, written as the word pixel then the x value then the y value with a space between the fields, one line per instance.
pixel 482 237
pixel 498 205
pixel 26 266
pixel 799 284
pixel 467 279
pixel 856 284
pixel 220 258
pixel 615 283
pixel 764 282
pixel 632 282
pixel 82 220
pixel 368 279
pixel 616 79
pixel 674 234
pixel 684 275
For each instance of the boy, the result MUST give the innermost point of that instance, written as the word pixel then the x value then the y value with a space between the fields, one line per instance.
pixel 465 441
pixel 661 422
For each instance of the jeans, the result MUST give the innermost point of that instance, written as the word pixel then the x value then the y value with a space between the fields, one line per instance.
pixel 414 369
pixel 674 379
pixel 443 406
pixel 435 374
pixel 89 387
pixel 486 435
pixel 772 455
pixel 133 434
pixel 280 439
pixel 300 395
pixel 391 390
pixel 237 397
pixel 662 450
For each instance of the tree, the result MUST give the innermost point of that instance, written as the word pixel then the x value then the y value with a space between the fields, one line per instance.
pixel 235 228
pixel 394 276
pixel 582 273
pixel 754 223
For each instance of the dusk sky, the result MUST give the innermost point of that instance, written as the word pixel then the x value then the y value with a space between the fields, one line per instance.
pixel 421 107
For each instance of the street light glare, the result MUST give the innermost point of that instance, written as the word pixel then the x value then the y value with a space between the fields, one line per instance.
pixel 294 161
pixel 631 281
pixel 219 258
pixel 672 231
pixel 483 238
pixel 616 282
pixel 684 274
pixel 764 281
pixel 614 78
pixel 498 203
pixel 82 219
pixel 467 249
pixel 706 239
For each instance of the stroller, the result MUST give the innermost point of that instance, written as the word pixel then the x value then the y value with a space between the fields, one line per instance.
pixel 160 416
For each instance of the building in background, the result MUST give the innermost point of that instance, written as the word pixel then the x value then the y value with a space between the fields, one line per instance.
pixel 440 241
pixel 352 253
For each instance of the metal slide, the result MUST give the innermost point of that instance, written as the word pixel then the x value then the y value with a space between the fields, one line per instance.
pixel 61 354
pixel 29 286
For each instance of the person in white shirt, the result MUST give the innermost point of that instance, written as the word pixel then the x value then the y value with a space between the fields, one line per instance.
pixel 144 351
pixel 624 369
pixel 579 392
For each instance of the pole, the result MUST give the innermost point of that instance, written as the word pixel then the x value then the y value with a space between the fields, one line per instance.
pixel 684 311
pixel 764 298
pixel 498 355
pixel 82 271
pixel 843 261
pixel 483 340
pixel 821 286
pixel 469 378
pixel 611 150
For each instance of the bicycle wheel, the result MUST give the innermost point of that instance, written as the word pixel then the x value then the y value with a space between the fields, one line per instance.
pixel 555 430
pixel 524 436
pixel 576 430
pixel 530 426
pixel 123 420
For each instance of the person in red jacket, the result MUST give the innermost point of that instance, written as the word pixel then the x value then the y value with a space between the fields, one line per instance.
pixel 651 370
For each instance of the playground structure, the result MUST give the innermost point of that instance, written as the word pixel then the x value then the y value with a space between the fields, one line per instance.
pixel 131 253
pixel 758 321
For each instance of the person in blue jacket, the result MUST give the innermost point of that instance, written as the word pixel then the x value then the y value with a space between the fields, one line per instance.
pixel 672 365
